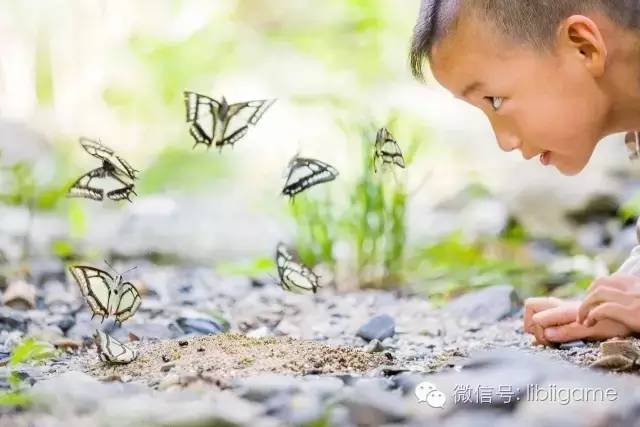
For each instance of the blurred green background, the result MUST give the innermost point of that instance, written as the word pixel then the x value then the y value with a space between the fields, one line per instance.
pixel 462 215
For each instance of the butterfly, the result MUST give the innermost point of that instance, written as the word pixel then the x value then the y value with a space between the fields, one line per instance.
pixel 111 350
pixel 386 150
pixel 219 123
pixel 632 141
pixel 294 276
pixel 106 295
pixel 304 173
pixel 113 166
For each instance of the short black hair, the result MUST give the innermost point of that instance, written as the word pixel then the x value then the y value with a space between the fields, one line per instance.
pixel 531 21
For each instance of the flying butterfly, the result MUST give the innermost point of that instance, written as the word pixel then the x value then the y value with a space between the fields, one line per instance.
pixel 106 295
pixel 113 166
pixel 386 150
pixel 632 141
pixel 294 276
pixel 110 350
pixel 304 173
pixel 219 123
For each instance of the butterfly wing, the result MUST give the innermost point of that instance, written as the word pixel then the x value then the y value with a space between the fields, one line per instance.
pixel 239 117
pixel 123 193
pixel 96 149
pixel 294 276
pixel 201 116
pixel 387 149
pixel 111 350
pixel 83 187
pixel 128 302
pixel 96 287
pixel 130 171
pixel 305 173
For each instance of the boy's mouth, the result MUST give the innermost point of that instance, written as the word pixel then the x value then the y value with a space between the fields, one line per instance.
pixel 545 158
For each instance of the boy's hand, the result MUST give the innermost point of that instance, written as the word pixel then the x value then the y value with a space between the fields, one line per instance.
pixel 616 298
pixel 553 320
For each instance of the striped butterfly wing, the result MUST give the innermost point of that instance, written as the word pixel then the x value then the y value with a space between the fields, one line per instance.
pixel 85 186
pixel 96 149
pixel 201 117
pixel 305 173
pixel 111 350
pixel 387 150
pixel 294 276
pixel 96 287
pixel 239 117
pixel 128 302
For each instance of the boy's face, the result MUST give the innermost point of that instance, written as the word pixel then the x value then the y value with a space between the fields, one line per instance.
pixel 546 104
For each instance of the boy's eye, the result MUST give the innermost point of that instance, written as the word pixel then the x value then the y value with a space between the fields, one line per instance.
pixel 495 101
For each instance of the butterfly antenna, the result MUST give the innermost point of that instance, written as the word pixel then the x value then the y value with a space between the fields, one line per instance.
pixel 110 266
pixel 131 269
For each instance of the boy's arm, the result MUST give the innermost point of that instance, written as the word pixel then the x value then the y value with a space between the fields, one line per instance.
pixel 631 265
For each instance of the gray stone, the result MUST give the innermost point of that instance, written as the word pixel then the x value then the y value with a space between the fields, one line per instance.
pixel 323 387
pixel 75 392
pixel 378 327
pixel 489 304
pixel 177 409
pixel 571 345
pixel 295 409
pixel 200 326
pixel 372 406
pixel 261 387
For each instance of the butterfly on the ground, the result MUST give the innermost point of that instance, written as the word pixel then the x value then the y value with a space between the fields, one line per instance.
pixel 218 123
pixel 632 141
pixel 113 166
pixel 106 295
pixel 386 150
pixel 294 276
pixel 111 350
pixel 304 173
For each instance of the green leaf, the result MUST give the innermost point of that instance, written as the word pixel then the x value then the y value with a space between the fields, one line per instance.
pixel 30 350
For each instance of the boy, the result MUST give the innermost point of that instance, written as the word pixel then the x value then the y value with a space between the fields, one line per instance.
pixel 554 77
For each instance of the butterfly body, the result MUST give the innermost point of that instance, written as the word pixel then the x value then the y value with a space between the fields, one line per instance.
pixel 113 166
pixel 304 173
pixel 219 123
pixel 106 295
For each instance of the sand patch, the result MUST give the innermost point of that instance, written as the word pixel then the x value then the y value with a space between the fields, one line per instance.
pixel 220 358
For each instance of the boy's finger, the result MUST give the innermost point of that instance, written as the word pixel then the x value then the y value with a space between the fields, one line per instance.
pixel 555 316
pixel 617 281
pixel 569 332
pixel 599 296
pixel 535 305
pixel 613 311
pixel 538 332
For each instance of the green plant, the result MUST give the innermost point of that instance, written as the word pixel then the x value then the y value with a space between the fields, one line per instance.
pixel 29 350
pixel 371 225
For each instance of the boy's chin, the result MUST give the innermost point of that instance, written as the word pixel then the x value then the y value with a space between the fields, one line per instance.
pixel 569 169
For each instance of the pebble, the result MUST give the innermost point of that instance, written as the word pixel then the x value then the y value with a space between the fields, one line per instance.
pixel 20 295
pixel 167 366
pixel 378 327
pixel 199 326
pixel 572 345
pixel 489 304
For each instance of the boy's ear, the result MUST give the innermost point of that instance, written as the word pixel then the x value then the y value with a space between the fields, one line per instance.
pixel 581 36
